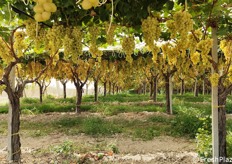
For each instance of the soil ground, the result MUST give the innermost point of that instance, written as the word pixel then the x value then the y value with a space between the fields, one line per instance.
pixel 160 150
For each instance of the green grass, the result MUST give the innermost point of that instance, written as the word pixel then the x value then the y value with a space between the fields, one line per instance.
pixel 3 109
pixel 188 97
pixel 160 119
pixel 109 109
pixel 188 112
pixel 229 125
pixel 118 98
pixel 93 126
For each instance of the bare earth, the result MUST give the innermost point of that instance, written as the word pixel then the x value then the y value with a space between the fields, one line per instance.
pixel 160 150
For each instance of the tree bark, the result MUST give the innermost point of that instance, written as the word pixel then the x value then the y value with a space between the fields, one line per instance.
pixel 14 144
pixel 110 88
pixel 167 92
pixel 151 88
pixel 182 87
pixel 117 89
pixel 40 93
pixel 78 97
pixel 64 90
pixel 105 91
pixel 95 90
pixel 113 88
pixel 222 128
pixel 14 126
pixel 144 88
pixel 155 89
pixel 196 91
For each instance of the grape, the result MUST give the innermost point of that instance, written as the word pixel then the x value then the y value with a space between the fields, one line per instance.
pixel 110 34
pixel 19 43
pixel 171 28
pixel 204 46
pixel 5 52
pixel 183 22
pixel 195 58
pixel 214 79
pixel 38 8
pixel 226 47
pixel 54 38
pixel 93 49
pixel 193 39
pixel 86 5
pixel 128 46
pixel 41 1
pixel 151 30
pixel 170 52
pixel 46 16
pixel 72 42
pixel 94 2
pixel 53 7
pixel 38 17
pixel 230 74
pixel 43 10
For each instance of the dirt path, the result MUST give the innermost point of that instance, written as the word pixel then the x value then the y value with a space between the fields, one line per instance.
pixel 162 149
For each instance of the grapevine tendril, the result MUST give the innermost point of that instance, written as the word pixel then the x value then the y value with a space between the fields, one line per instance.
pixel 26 2
pixel 111 18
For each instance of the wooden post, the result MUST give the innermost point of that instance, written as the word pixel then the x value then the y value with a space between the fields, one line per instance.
pixel 215 136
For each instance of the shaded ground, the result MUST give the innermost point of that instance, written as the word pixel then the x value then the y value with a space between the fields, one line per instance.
pixel 114 149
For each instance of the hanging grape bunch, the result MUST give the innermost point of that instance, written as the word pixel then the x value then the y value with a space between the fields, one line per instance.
pixel 128 46
pixel 43 10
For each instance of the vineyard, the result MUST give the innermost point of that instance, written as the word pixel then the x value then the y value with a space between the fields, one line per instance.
pixel 159 69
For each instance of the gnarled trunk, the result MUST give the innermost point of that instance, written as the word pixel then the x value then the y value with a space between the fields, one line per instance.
pixel 105 89
pixel 113 88
pixel 151 88
pixel 196 91
pixel 155 89
pixel 168 94
pixel 79 90
pixel 117 89
pixel 182 87
pixel 64 90
pixel 95 90
pixel 222 128
pixel 40 93
pixel 110 88
pixel 14 145
pixel 144 88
